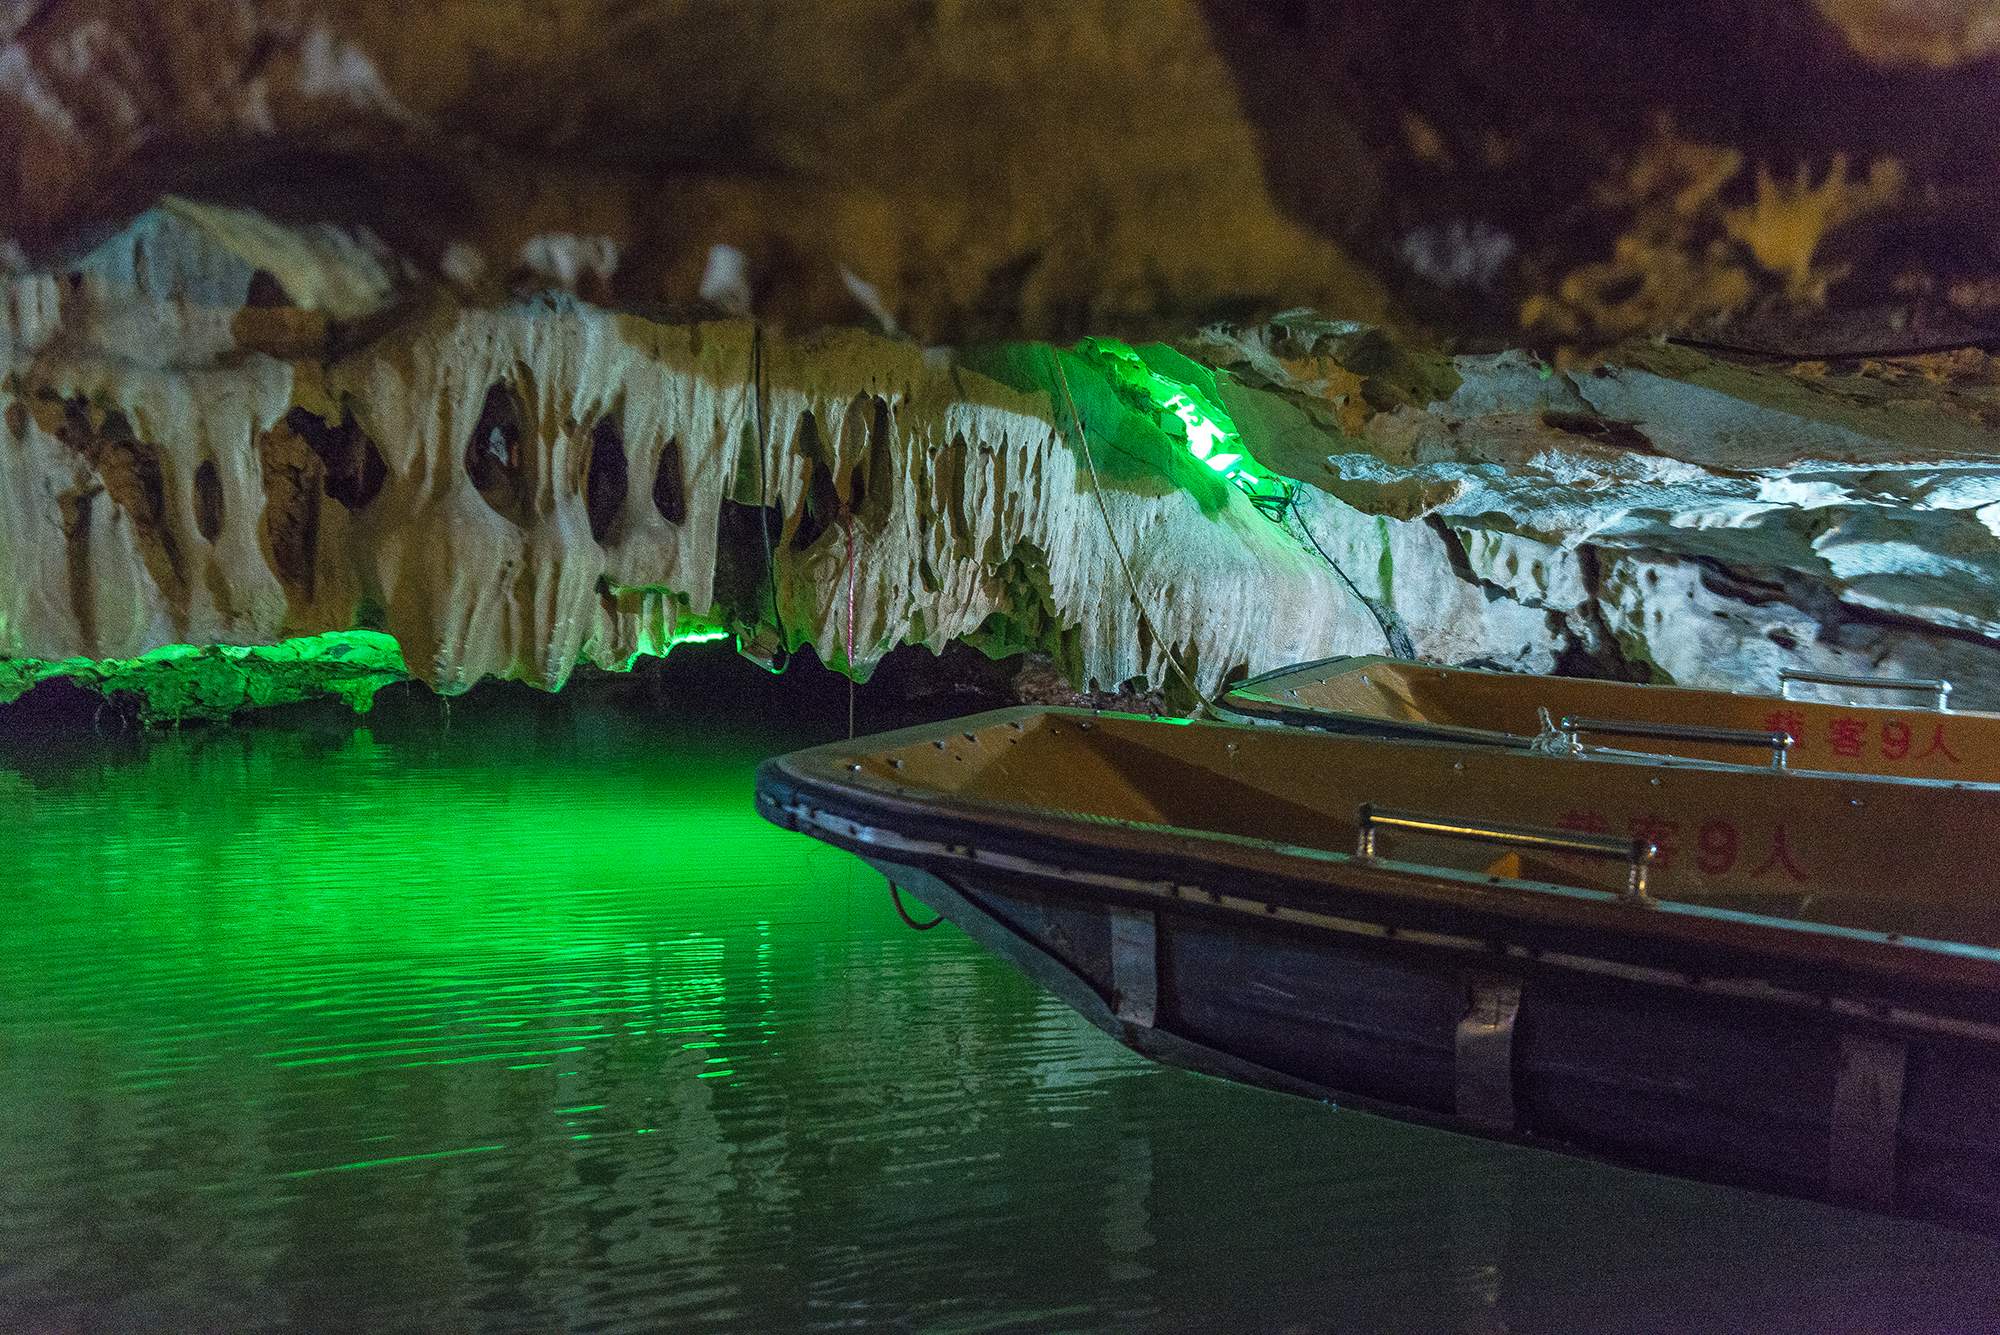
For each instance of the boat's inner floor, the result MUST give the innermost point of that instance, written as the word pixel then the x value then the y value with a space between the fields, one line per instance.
pixel 1848 738
pixel 1912 858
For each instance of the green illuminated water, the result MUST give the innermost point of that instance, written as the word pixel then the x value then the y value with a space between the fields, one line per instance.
pixel 524 1021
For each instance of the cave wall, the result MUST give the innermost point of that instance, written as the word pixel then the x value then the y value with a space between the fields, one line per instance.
pixel 1647 344
pixel 192 457
pixel 1812 178
pixel 1663 514
pixel 1815 179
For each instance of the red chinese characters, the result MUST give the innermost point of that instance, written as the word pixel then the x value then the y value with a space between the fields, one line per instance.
pixel 1938 745
pixel 1846 735
pixel 1584 820
pixel 1661 834
pixel 1718 847
pixel 1780 859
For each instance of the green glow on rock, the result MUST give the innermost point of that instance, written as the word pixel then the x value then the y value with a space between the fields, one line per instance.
pixel 1134 443
pixel 188 681
pixel 1180 394
pixel 178 681
pixel 1152 415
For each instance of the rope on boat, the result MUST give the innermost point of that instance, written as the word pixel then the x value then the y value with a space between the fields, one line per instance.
pixel 896 898
pixel 1097 489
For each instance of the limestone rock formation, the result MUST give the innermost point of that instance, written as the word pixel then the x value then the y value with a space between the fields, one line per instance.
pixel 509 491
pixel 1939 33
pixel 192 458
pixel 986 170
pixel 1814 177
pixel 1664 514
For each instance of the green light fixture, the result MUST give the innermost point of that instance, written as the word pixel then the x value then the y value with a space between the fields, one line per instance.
pixel 1179 394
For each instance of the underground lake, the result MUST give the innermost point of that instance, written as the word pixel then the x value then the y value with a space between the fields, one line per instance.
pixel 513 1015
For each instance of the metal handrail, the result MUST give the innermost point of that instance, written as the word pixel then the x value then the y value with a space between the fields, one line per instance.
pixel 1638 853
pixel 1778 742
pixel 1937 685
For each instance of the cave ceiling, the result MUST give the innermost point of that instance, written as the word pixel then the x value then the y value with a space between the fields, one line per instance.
pixel 1817 179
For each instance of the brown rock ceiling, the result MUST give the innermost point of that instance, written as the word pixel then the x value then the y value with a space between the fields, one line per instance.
pixel 1768 172
pixel 1748 171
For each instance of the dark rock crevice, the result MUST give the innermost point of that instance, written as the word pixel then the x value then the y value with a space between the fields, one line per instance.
pixel 352 467
pixel 132 474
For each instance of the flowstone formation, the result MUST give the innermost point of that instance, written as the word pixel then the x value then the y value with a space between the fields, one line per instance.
pixel 1663 514
pixel 192 459
pixel 196 456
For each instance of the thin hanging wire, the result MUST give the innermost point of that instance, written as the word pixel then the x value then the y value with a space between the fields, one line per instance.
pixel 1097 490
pixel 847 525
pixel 758 393
pixel 1398 639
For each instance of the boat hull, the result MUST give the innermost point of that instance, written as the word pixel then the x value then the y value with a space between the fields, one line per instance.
pixel 1681 1039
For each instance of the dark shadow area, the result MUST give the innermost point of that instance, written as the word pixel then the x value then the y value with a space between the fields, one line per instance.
pixel 1479 152
pixel 698 690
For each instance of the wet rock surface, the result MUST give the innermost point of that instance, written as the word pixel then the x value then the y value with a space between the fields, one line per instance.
pixel 1814 179
pixel 963 171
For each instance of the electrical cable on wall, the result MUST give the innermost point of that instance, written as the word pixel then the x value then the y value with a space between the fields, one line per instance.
pixel 1398 639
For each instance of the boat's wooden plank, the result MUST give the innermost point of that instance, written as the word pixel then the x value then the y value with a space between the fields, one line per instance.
pixel 986 913
pixel 1483 1060
pixel 1867 1111
pixel 1135 964
pixel 1343 1018
pixel 1669 1083
pixel 1076 933
pixel 1948 1151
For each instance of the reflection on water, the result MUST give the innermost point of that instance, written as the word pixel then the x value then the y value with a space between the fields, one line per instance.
pixel 533 1025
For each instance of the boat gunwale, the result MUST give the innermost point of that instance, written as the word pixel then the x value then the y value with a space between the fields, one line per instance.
pixel 1343 664
pixel 1960 975
pixel 1259 706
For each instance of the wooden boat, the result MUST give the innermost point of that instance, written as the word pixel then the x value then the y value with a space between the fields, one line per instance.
pixel 1787 981
pixel 1390 697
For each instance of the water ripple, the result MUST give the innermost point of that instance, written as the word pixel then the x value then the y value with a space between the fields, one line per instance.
pixel 537 1035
